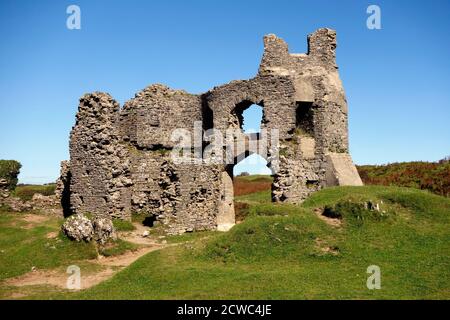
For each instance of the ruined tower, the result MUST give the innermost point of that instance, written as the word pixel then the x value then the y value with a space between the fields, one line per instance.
pixel 120 158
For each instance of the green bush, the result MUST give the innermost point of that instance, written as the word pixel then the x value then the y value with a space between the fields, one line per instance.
pixel 9 170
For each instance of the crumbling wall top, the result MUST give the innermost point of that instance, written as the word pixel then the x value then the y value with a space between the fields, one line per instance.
pixel 277 59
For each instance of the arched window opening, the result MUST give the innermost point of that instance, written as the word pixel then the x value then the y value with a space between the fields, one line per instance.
pixel 252 119
pixel 250 116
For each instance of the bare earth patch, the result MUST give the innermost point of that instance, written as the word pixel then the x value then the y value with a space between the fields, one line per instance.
pixel 52 235
pixel 58 278
pixel 33 219
pixel 125 259
pixel 331 221
pixel 322 246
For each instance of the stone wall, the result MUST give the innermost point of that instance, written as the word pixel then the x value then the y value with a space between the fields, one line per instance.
pixel 148 120
pixel 99 159
pixel 120 159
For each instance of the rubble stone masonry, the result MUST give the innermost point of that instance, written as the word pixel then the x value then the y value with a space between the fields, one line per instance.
pixel 120 160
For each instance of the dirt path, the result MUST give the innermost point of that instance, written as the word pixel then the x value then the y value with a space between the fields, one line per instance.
pixel 58 278
pixel 32 220
pixel 108 266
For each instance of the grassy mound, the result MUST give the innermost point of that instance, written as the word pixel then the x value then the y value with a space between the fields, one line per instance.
pixel 290 252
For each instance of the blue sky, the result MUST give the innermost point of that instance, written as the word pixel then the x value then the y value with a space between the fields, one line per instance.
pixel 396 79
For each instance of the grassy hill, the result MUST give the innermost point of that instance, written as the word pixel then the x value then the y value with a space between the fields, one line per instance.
pixel 250 184
pixel 432 176
pixel 278 251
pixel 289 252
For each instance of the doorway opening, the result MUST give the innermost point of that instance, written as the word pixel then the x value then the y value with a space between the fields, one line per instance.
pixel 252 182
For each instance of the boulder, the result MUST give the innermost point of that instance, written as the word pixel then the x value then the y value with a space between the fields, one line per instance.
pixel 103 229
pixel 79 228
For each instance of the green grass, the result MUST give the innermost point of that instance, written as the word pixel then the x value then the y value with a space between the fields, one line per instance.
pixel 191 236
pixel 123 225
pixel 256 197
pixel 117 247
pixel 23 248
pixel 25 244
pixel 280 253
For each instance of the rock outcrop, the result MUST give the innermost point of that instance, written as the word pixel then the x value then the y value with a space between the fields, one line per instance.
pixel 79 228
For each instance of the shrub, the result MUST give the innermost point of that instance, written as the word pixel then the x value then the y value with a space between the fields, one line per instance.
pixel 9 170
pixel 330 212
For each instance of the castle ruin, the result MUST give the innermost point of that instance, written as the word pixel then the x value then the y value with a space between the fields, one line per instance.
pixel 120 158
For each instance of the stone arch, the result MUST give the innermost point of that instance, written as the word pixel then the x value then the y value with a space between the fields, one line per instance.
pixel 238 111
pixel 275 95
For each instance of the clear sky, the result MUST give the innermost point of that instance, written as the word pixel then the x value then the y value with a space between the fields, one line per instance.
pixel 396 79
